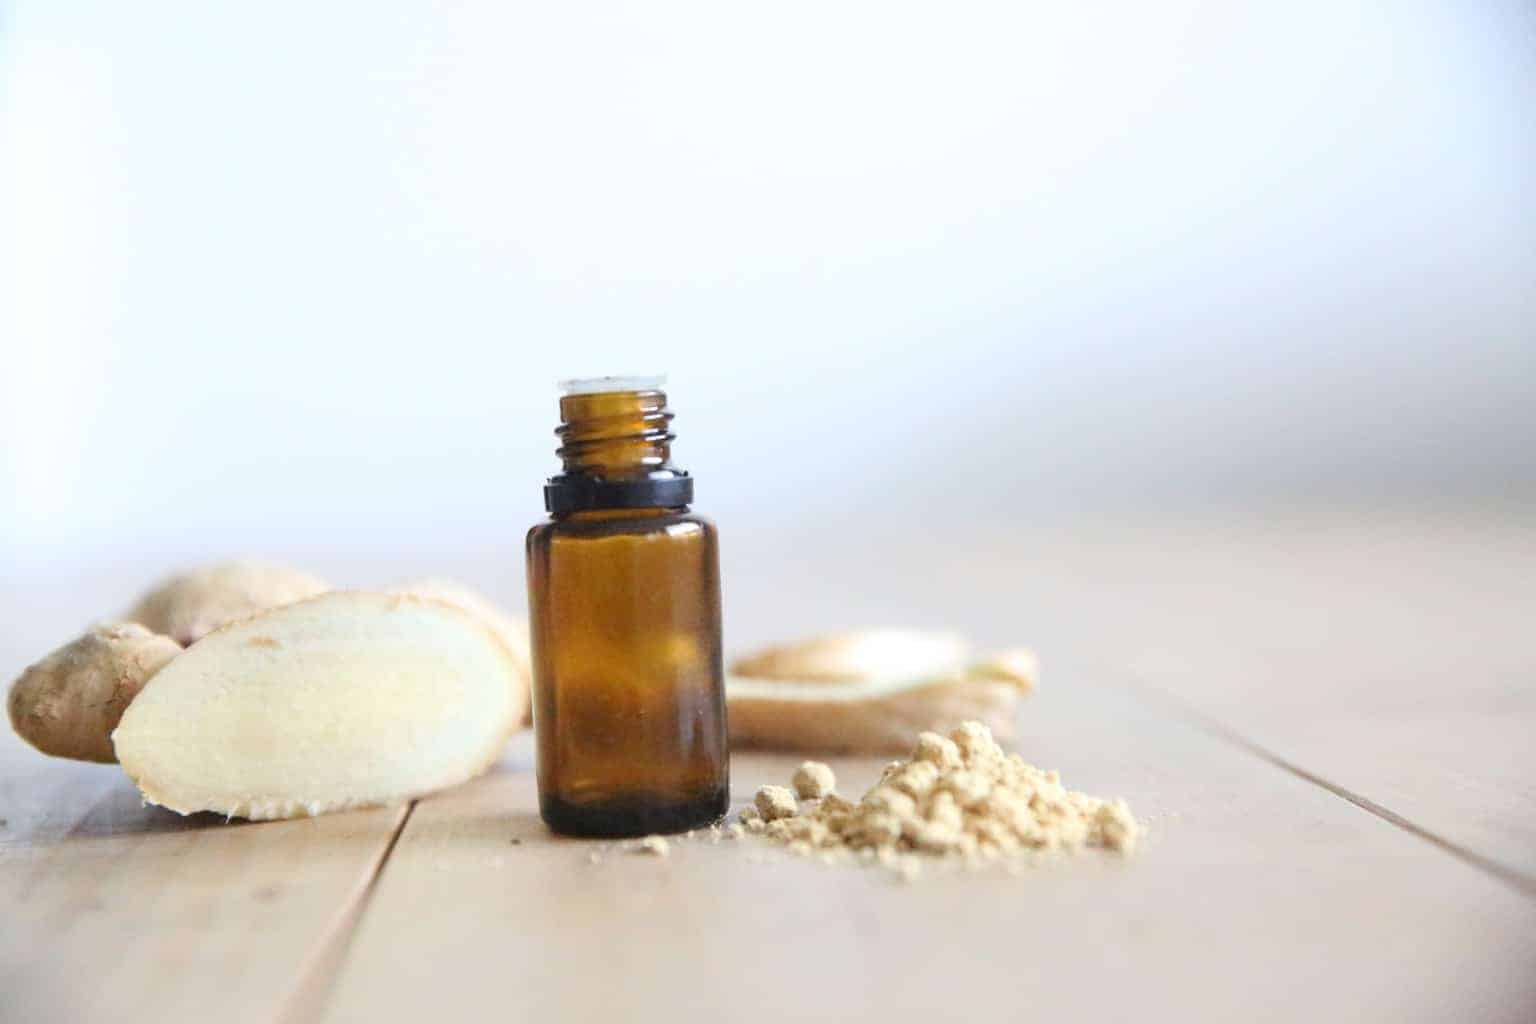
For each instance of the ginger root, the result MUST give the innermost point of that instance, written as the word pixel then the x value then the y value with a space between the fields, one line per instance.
pixel 189 606
pixel 513 632
pixel 871 691
pixel 68 703
pixel 344 700
pixel 859 654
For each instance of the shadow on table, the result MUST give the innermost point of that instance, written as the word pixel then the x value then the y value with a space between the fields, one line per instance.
pixel 122 810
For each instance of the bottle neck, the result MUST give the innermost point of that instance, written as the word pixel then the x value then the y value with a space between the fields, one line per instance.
pixel 615 434
pixel 616 453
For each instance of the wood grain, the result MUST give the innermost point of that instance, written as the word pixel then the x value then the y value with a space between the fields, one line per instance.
pixel 116 911
pixel 1218 674
pixel 1388 651
pixel 1394 661
pixel 1258 896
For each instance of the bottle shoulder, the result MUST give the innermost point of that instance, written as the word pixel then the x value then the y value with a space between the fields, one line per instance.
pixel 622 522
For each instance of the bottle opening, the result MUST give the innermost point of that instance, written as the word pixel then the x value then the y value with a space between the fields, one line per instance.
pixel 608 385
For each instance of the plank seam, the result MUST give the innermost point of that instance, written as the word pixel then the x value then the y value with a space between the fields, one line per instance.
pixel 1524 884
pixel 306 1001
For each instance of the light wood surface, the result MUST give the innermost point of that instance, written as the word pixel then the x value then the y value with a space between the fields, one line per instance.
pixel 1328 719
pixel 1257 897
pixel 134 913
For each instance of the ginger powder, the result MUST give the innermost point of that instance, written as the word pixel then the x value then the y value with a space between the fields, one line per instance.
pixel 957 798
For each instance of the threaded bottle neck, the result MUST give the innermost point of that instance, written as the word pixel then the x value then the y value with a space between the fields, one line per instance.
pixel 615 434
pixel 616 452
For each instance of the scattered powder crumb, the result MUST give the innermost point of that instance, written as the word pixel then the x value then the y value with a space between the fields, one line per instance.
pixel 813 781
pixel 594 857
pixel 655 846
pixel 735 830
pixel 1116 826
pixel 959 798
pixel 775 803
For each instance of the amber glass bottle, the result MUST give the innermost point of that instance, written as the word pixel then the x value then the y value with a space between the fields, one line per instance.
pixel 624 603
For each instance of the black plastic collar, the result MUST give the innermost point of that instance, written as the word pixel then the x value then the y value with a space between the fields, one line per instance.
pixel 575 493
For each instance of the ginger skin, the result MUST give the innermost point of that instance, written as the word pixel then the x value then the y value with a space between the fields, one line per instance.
pixel 189 606
pixel 67 704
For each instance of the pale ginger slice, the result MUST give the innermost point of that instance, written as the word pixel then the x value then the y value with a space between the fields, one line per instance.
pixel 68 703
pixel 860 654
pixel 513 631
pixel 869 690
pixel 863 716
pixel 190 605
pixel 1018 667
pixel 344 700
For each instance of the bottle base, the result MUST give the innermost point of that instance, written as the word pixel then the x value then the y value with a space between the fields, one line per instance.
pixel 635 816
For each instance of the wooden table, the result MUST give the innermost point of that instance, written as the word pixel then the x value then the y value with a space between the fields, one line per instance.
pixel 1329 720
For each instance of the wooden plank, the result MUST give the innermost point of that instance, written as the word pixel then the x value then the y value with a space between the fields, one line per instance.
pixel 1388 652
pixel 1258 897
pixel 110 910
pixel 1395 662
pixel 1387 655
pixel 113 911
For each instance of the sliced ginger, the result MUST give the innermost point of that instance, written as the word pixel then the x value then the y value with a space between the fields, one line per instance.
pixel 871 691
pixel 513 632
pixel 858 655
pixel 343 700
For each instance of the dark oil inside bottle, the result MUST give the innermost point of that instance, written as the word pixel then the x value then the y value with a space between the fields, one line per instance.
pixel 629 703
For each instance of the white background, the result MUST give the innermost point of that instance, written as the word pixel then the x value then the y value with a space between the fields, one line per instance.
pixel 295 278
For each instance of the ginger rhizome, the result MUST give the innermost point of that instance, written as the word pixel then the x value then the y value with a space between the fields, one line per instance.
pixel 68 703
pixel 344 700
pixel 190 605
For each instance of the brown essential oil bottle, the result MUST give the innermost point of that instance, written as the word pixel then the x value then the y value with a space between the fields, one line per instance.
pixel 624 603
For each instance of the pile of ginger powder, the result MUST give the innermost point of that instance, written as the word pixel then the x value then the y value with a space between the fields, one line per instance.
pixel 957 799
